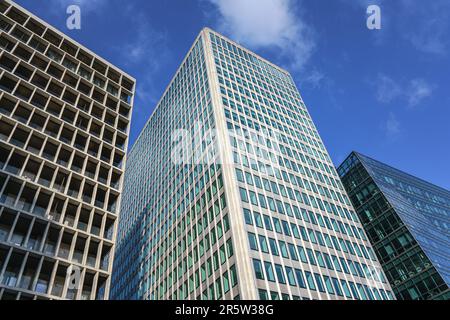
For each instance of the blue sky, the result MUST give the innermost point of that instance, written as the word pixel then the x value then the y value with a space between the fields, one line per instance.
pixel 384 93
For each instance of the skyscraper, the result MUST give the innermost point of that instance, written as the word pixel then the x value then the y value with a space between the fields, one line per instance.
pixel 407 221
pixel 230 193
pixel 64 123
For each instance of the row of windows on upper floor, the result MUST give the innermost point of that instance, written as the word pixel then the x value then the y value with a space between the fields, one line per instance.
pixel 193 67
pixel 259 121
pixel 41 236
pixel 310 146
pixel 68 69
pixel 263 87
pixel 37 119
pixel 291 100
pixel 165 152
pixel 170 186
pixel 309 217
pixel 307 235
pixel 247 85
pixel 165 211
pixel 262 109
pixel 258 70
pixel 178 146
pixel 223 44
pixel 286 133
pixel 314 282
pixel 58 178
pixel 353 172
pixel 260 90
pixel 182 90
pixel 184 233
pixel 180 199
pixel 30 140
pixel 77 188
pixel 162 123
pixel 301 197
pixel 259 100
pixel 45 37
pixel 184 182
pixel 50 78
pixel 407 183
pixel 271 171
pixel 267 153
pixel 314 258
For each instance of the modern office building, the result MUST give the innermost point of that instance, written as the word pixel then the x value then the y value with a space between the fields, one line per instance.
pixel 407 220
pixel 64 122
pixel 230 193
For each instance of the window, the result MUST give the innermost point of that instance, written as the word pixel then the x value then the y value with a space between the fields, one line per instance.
pixel 252 241
pixel 248 217
pixel 258 269
pixel 346 289
pixel 269 271
pixel 258 220
pixel 263 244
pixel 310 280
pixel 244 196
pixel 302 254
pixel 300 279
pixel 290 276
pixel 267 222
pixel 337 287
pixel 280 274
pixel 311 258
pixel 273 246
pixel 328 285
pixel 283 249
pixel 319 282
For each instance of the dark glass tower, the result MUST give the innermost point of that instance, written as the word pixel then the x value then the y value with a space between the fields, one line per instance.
pixel 407 220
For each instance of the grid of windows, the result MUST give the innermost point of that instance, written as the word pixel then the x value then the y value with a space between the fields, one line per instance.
pixel 295 209
pixel 270 225
pixel 407 222
pixel 177 212
pixel 64 121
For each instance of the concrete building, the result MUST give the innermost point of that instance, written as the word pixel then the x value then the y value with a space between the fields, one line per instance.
pixel 230 193
pixel 64 123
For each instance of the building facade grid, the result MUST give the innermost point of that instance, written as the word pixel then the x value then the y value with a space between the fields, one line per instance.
pixel 249 223
pixel 64 125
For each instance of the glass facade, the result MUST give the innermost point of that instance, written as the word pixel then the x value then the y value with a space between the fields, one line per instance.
pixel 407 221
pixel 255 211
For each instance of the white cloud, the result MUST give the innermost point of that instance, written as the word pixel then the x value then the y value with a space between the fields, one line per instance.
pixel 413 92
pixel 392 127
pixel 267 24
pixel 314 79
pixel 418 90
pixel 387 89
